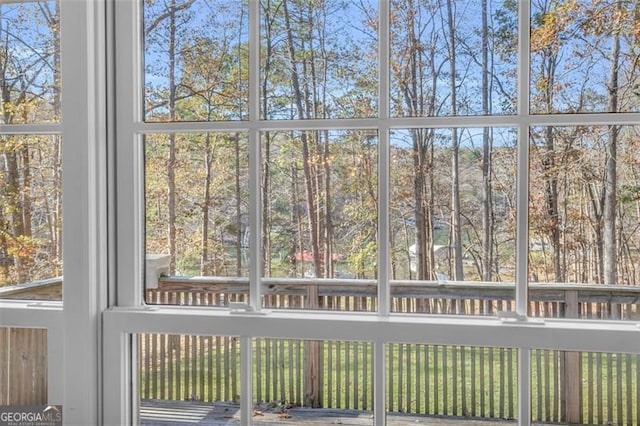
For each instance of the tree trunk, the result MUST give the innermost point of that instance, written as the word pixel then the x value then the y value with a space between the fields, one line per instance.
pixel 205 265
pixel 53 21
pixel 329 273
pixel 266 197
pixel 456 227
pixel 171 179
pixel 266 153
pixel 550 173
pixel 306 158
pixel 57 214
pixel 296 240
pixel 239 226
pixel 596 202
pixel 300 225
pixel 312 348
pixel 610 176
pixel 12 195
pixel 4 244
pixel 411 78
pixel 487 202
pixel 551 190
pixel 25 202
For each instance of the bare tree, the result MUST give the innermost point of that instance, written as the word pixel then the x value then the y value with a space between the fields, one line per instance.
pixel 487 202
pixel 456 227
pixel 609 210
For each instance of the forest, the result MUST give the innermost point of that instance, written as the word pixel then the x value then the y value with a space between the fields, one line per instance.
pixel 452 190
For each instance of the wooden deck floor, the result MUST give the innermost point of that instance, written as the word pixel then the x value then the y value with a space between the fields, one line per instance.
pixel 191 413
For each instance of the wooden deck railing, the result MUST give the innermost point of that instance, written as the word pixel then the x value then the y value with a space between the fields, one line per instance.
pixel 591 388
pixel 462 381
pixel 23 351
pixel 23 366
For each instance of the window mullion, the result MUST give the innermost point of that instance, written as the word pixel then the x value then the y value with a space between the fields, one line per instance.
pixel 522 191
pixel 129 180
pixel 384 288
pixel 522 215
pixel 384 293
pixel 82 84
pixel 255 268
pixel 31 129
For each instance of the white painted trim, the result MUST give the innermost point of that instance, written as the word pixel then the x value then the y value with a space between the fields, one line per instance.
pixel 117 392
pixel 73 327
pixel 601 119
pixel 25 313
pixel 522 178
pixel 83 204
pixel 594 119
pixel 522 202
pixel 55 365
pixel 30 129
pixel 129 185
pixel 579 335
pixel 384 162
pixel 255 165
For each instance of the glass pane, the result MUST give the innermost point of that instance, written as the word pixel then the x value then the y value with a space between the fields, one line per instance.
pixel 196 217
pixel 583 220
pixel 453 58
pixel 452 218
pixel 23 366
pixel 585 387
pixel 451 382
pixel 332 380
pixel 319 59
pixel 181 376
pixel 30 66
pixel 584 56
pixel 30 217
pixel 320 218
pixel 195 55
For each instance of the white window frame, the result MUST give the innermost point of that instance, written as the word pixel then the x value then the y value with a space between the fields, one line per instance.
pixel 130 316
pixel 73 325
pixel 91 344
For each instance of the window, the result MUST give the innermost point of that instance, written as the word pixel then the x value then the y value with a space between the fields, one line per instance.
pixel 432 205
pixel 52 163
pixel 30 196
pixel 391 161
pixel 31 154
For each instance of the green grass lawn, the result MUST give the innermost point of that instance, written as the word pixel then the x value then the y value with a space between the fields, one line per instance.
pixel 421 379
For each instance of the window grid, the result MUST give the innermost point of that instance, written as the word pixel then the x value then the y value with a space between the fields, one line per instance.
pixel 133 128
pixel 523 121
pixel 255 245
